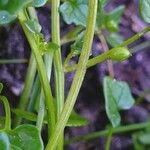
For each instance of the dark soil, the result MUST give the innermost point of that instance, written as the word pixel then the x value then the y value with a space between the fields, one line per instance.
pixel 90 101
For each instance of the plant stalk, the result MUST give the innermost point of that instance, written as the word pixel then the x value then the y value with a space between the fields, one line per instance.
pixel 42 74
pixel 78 78
pixel 58 67
pixel 122 129
pixel 102 57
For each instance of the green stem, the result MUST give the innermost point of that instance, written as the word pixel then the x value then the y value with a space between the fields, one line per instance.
pixel 48 64
pixel 58 68
pixel 41 112
pixel 7 112
pixel 99 58
pixel 30 75
pixel 78 78
pixel 42 74
pixel 108 141
pixel 99 134
pixel 13 61
pixel 59 73
pixel 34 95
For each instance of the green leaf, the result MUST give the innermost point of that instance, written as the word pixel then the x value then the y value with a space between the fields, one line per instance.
pixel 25 114
pixel 38 3
pixel 33 26
pixel 4 141
pixel 103 3
pixel 14 6
pixel 72 35
pixel 144 6
pixel 136 143
pixel 110 104
pixel 52 46
pixel 101 15
pixel 75 11
pixel 113 18
pixel 26 137
pixel 117 96
pixel 3 2
pixel 76 47
pixel 6 17
pixel 114 39
pixel 122 94
pixel 10 8
pixel 1 87
pixel 144 138
pixel 76 120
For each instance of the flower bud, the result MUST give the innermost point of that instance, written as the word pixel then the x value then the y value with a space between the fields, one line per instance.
pixel 119 54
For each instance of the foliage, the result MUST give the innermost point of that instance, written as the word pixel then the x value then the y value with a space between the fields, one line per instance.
pixel 117 97
pixel 89 18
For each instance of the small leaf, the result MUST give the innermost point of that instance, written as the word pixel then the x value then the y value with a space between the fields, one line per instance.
pixel 110 104
pixel 144 10
pixel 136 143
pixel 52 46
pixel 33 26
pixel 72 34
pixel 113 19
pixel 144 138
pixel 14 6
pixel 117 97
pixel 4 141
pixel 76 120
pixel 26 137
pixel 101 15
pixel 1 87
pixel 39 3
pixel 6 17
pixel 114 39
pixel 122 94
pixel 25 114
pixel 75 11
pixel 76 47
pixel 10 8
pixel 103 3
pixel 3 2
pixel 119 54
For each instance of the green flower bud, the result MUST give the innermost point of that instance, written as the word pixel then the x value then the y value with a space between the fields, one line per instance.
pixel 111 25
pixel 119 54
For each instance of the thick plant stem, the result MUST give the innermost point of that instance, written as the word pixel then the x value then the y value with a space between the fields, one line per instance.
pixel 58 68
pixel 59 73
pixel 122 129
pixel 30 75
pixel 102 57
pixel 78 78
pixel 42 74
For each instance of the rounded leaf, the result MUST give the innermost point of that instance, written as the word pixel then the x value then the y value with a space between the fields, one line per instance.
pixel 6 17
pixel 26 137
pixel 4 141
pixel 38 3
pixel 144 10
